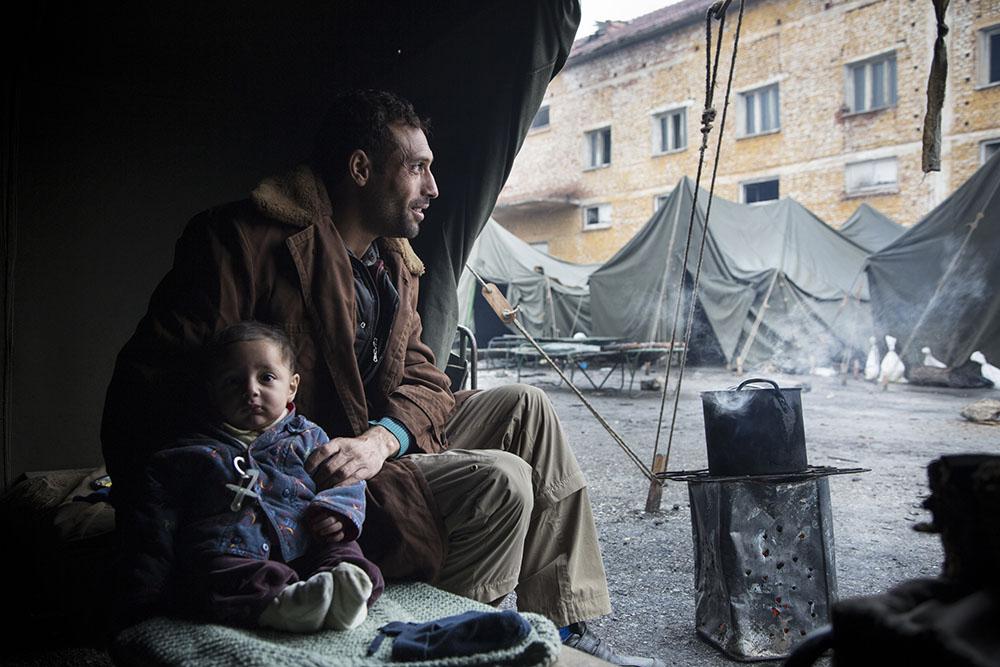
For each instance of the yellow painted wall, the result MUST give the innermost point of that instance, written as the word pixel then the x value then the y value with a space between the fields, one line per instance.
pixel 804 45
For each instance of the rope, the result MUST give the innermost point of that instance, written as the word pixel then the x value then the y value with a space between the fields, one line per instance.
pixel 716 11
pixel 511 317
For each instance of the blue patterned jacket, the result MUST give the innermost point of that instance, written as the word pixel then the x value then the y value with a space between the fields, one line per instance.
pixel 188 514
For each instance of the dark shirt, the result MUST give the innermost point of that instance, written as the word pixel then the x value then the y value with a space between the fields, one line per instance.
pixel 376 300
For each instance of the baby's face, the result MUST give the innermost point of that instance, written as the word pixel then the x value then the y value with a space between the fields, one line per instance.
pixel 252 384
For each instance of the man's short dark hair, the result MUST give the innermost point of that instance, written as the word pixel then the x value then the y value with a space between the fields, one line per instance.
pixel 360 119
pixel 243 332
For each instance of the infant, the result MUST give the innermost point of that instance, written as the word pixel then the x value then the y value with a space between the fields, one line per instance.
pixel 235 513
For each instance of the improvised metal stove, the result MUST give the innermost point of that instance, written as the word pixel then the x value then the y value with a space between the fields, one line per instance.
pixel 765 567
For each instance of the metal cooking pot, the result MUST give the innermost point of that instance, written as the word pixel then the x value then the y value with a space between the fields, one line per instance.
pixel 754 432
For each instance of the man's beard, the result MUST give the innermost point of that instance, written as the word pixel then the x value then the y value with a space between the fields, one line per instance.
pixel 396 220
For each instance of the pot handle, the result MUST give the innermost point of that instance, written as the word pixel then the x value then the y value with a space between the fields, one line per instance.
pixel 753 380
pixel 782 401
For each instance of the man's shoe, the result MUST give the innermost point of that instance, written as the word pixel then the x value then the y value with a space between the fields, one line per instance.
pixel 582 639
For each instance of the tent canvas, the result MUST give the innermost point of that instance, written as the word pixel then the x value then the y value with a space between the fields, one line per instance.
pixel 170 117
pixel 551 294
pixel 777 261
pixel 936 285
pixel 871 229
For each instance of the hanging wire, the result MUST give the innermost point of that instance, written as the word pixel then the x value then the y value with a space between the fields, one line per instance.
pixel 718 12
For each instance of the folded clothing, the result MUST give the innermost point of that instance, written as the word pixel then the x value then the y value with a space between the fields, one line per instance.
pixel 468 633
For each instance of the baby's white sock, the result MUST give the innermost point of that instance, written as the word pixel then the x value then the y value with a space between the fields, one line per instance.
pixel 302 606
pixel 351 590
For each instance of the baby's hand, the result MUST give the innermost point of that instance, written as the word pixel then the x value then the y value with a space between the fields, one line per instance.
pixel 325 525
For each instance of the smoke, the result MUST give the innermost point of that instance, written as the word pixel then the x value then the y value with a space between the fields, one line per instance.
pixel 731 402
pixel 946 314
pixel 798 333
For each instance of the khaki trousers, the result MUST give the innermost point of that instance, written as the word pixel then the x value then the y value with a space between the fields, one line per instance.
pixel 515 506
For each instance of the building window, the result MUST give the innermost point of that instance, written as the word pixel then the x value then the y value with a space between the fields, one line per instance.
pixel 988 149
pixel 871 176
pixel 989 56
pixel 598 145
pixel 659 201
pixel 760 191
pixel 541 118
pixel 761 110
pixel 597 216
pixel 670 131
pixel 871 84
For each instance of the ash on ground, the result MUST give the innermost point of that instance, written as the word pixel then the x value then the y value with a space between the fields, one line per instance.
pixel 649 556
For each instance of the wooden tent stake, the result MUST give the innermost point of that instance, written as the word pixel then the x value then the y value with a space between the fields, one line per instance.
pixel 756 323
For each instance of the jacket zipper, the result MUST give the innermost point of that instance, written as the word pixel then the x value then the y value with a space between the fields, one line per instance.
pixel 378 310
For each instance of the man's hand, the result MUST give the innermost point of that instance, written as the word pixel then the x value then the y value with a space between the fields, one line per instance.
pixel 345 461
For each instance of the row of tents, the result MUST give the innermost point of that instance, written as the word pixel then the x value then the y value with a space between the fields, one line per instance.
pixel 777 285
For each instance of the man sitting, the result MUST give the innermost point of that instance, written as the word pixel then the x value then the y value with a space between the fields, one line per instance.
pixel 480 496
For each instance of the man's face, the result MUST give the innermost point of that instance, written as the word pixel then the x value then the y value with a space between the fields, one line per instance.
pixel 252 384
pixel 402 187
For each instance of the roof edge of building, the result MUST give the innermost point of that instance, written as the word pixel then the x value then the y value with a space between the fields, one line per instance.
pixel 692 12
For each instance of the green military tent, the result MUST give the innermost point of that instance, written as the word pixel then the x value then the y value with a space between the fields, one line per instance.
pixel 778 285
pixel 936 285
pixel 871 229
pixel 551 294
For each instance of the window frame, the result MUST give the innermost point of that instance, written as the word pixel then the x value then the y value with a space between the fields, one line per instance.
pixel 868 64
pixel 757 181
pixel 606 146
pixel 605 208
pixel 657 119
pixel 743 131
pixel 983 52
pixel 876 189
pixel 664 196
pixel 983 148
pixel 548 119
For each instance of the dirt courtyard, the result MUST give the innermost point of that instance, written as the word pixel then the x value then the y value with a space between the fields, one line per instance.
pixel 649 556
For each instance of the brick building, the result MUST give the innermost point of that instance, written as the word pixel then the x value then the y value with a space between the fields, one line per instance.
pixel 827 107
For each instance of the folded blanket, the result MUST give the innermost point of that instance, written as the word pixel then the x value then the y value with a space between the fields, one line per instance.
pixel 165 641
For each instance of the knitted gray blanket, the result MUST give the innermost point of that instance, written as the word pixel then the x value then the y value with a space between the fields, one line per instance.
pixel 173 642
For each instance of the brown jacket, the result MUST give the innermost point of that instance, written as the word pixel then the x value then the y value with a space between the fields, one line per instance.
pixel 277 258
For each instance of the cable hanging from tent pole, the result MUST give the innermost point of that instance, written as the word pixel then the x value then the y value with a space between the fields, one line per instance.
pixel 508 315
pixel 717 12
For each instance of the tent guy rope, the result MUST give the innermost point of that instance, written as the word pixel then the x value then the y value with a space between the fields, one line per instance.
pixel 508 315
pixel 716 12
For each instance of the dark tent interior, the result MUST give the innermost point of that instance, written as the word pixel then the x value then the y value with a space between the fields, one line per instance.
pixel 123 120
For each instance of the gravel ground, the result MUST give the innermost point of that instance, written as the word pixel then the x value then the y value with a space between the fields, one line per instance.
pixel 649 556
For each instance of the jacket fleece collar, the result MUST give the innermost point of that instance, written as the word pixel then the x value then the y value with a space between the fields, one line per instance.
pixel 299 198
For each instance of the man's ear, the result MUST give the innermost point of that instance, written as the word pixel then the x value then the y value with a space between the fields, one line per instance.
pixel 293 387
pixel 359 166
